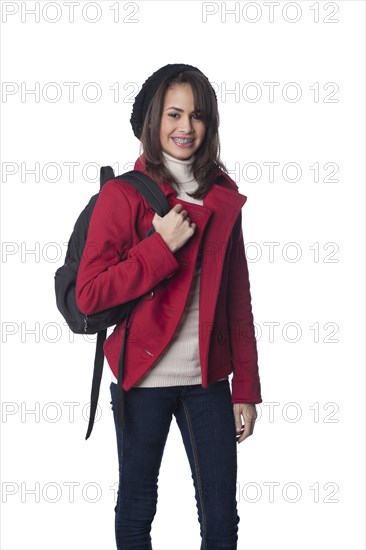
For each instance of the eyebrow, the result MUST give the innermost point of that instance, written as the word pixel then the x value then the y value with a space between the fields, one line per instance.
pixel 181 110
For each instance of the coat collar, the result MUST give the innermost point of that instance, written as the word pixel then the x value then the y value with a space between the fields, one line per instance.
pixel 222 196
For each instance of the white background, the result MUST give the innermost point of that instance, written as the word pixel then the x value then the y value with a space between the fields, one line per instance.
pixel 308 441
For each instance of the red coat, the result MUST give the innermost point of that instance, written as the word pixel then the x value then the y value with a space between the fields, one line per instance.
pixel 119 265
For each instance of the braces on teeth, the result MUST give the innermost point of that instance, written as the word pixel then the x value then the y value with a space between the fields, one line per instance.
pixel 183 140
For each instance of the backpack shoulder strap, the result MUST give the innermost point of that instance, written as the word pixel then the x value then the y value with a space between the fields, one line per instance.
pixel 149 188
pixel 143 183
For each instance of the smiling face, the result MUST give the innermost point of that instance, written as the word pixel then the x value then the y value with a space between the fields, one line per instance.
pixel 181 129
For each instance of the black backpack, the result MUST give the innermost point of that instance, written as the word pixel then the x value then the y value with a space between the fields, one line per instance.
pixel 65 281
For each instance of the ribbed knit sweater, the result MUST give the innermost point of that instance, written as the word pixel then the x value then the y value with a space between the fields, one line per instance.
pixel 180 364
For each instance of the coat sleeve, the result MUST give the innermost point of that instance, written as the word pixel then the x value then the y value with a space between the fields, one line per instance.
pixel 246 387
pixel 112 271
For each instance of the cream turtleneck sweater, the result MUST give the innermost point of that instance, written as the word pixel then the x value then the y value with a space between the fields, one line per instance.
pixel 180 364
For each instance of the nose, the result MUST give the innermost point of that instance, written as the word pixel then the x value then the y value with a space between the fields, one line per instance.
pixel 185 125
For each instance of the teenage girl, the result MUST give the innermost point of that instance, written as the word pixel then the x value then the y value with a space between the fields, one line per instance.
pixel 192 325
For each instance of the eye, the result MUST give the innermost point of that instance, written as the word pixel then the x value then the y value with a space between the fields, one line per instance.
pixel 195 115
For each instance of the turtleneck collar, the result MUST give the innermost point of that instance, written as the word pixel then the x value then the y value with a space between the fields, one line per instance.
pixel 180 169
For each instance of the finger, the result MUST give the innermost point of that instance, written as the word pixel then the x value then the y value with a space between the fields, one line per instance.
pixel 239 431
pixel 237 417
pixel 241 438
pixel 248 430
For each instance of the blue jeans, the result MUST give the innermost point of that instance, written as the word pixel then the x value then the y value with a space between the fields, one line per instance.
pixel 206 421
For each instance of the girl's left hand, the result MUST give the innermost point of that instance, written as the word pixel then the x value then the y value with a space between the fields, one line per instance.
pixel 249 414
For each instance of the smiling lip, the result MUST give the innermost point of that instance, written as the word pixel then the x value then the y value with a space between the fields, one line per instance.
pixel 184 145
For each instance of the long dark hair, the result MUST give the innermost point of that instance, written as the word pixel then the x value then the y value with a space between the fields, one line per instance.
pixel 207 158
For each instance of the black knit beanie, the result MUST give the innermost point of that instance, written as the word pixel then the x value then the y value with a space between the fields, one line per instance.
pixel 147 92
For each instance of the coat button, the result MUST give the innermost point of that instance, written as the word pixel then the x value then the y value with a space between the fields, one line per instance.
pixel 150 295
